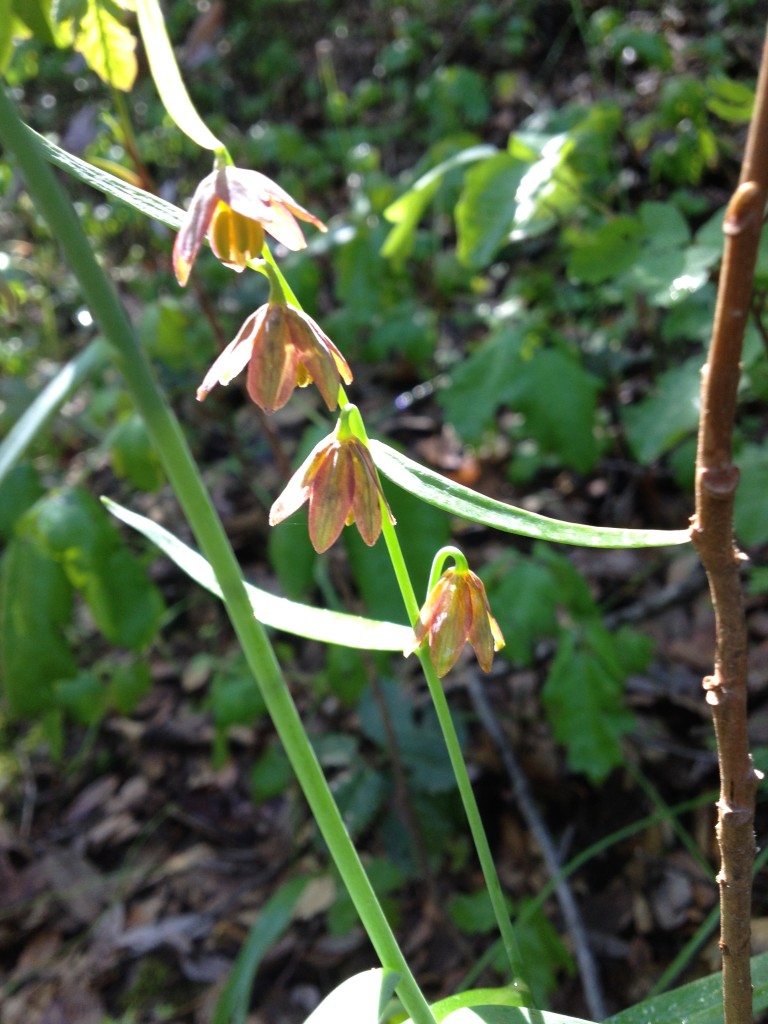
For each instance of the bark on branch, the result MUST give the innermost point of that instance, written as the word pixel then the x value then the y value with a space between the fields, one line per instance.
pixel 712 532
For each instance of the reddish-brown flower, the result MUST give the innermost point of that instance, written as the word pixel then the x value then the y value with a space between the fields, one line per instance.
pixel 283 349
pixel 455 613
pixel 234 207
pixel 339 481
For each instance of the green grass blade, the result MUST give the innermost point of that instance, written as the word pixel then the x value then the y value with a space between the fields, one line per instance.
pixel 278 612
pixel 468 504
pixel 233 1005
pixel 144 202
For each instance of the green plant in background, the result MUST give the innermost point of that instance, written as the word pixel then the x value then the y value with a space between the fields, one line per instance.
pixel 540 191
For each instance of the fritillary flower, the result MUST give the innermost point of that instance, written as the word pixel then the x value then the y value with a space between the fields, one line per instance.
pixel 233 208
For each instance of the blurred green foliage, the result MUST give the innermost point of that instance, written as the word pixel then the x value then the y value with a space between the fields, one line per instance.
pixel 542 264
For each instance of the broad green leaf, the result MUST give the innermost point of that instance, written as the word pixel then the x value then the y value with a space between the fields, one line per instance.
pixel 603 254
pixel 277 612
pixel 107 46
pixel 84 697
pixel 6 32
pixel 72 528
pixel 35 608
pixel 18 492
pixel 524 596
pixel 128 683
pixel 49 401
pixel 730 100
pixel 485 212
pixel 700 1002
pixel 420 743
pixel 558 399
pixel 583 696
pixel 498 1014
pixel 468 504
pixel 165 72
pixel 668 415
pixel 482 381
pixel 233 1005
pixel 36 15
pixel 406 212
pixel 133 456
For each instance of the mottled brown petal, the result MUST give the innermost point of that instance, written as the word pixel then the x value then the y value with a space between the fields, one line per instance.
pixel 272 370
pixel 449 626
pixel 366 504
pixel 194 228
pixel 480 631
pixel 331 497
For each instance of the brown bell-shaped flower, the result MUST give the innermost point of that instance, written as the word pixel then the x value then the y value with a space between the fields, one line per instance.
pixel 339 480
pixel 455 613
pixel 283 349
pixel 234 207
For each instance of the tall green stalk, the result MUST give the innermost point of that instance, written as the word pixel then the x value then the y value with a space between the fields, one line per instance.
pixel 166 434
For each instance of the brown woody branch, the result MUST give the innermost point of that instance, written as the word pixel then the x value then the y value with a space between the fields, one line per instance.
pixel 712 532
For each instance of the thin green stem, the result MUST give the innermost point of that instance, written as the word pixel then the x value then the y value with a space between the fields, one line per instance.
pixel 185 479
pixel 450 737
pixel 472 812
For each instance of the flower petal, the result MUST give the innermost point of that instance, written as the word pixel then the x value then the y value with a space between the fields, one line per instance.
pixel 331 497
pixel 256 196
pixel 365 503
pixel 194 228
pixel 298 487
pixel 273 367
pixel 234 357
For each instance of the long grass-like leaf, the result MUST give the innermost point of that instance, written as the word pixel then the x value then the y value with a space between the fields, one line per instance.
pixel 278 612
pixel 462 501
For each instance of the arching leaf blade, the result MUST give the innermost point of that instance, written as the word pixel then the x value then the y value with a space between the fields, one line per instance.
pixel 468 504
pixel 278 612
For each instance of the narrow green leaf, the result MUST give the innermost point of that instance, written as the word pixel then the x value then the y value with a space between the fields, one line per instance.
pixel 149 205
pixel 274 917
pixel 278 612
pixel 165 72
pixel 700 1002
pixel 468 504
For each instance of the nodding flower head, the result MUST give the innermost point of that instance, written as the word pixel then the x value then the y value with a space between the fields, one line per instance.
pixel 283 349
pixel 339 480
pixel 234 207
pixel 455 613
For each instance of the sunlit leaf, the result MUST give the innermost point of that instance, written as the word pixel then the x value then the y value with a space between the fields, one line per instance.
pixel 107 46
pixel 657 423
pixel 468 504
pixel 165 72
pixel 289 616
pixel 406 211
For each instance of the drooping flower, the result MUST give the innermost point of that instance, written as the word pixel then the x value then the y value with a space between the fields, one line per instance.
pixel 234 207
pixel 339 480
pixel 455 613
pixel 283 349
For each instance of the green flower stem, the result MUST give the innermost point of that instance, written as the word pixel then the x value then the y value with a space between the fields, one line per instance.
pixel 450 737
pixel 438 562
pixel 185 479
